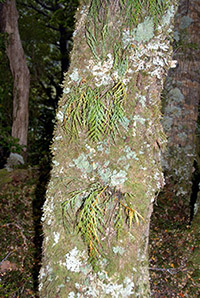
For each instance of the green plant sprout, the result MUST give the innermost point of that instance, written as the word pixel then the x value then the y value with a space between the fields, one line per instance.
pixel 89 206
pixel 95 111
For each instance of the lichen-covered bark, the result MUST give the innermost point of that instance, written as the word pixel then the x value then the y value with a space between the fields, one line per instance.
pixel 113 66
pixel 181 95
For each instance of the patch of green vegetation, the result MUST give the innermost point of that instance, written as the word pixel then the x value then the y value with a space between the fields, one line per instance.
pixel 95 110
pixel 88 207
pixel 17 249
pixel 5 177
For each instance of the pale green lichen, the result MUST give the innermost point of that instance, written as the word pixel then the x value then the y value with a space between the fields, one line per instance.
pixel 130 154
pixel 166 19
pixel 142 100
pixel 74 76
pixel 118 178
pixel 71 295
pixel 176 95
pixel 118 250
pixel 139 119
pixel 185 22
pixel 144 31
pixel 125 123
pixel 82 163
pixel 105 174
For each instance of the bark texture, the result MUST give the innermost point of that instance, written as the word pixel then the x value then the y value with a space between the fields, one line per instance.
pixel 106 166
pixel 181 94
pixel 19 69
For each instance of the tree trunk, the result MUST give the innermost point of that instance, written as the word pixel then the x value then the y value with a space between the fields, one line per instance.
pixel 181 94
pixel 107 142
pixel 19 69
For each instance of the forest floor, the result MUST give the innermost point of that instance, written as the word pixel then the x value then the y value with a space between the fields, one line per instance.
pixel 174 247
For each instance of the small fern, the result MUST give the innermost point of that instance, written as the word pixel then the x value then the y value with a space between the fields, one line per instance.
pixel 85 210
pixel 96 112
pixel 89 216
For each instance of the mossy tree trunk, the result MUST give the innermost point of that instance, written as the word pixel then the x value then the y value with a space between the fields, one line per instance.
pixel 181 95
pixel 107 142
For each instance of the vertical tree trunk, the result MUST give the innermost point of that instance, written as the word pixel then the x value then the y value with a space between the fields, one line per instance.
pixel 106 167
pixel 182 93
pixel 19 69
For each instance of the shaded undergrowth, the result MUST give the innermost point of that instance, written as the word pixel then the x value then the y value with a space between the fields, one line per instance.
pixel 22 195
pixel 17 232
pixel 174 249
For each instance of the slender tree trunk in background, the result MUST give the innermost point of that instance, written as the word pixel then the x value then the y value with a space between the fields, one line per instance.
pixel 19 69
pixel 106 166
pixel 181 94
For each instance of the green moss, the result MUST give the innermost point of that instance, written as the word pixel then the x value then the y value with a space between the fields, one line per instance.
pixel 5 177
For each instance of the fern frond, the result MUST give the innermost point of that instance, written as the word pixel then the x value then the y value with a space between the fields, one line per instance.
pixel 85 210
pixel 119 221
pixel 99 113
pixel 85 205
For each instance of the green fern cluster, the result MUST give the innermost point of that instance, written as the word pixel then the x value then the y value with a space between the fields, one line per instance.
pixel 98 35
pixel 133 10
pixel 136 10
pixel 99 113
pixel 89 207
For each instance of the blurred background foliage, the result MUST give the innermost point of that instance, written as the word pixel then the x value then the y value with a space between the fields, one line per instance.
pixel 46 29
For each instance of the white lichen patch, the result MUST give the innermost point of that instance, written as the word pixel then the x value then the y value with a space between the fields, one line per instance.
pixel 74 260
pixel 57 138
pixel 56 236
pixel 74 76
pixel 100 285
pixel 66 90
pixel 101 71
pixel 48 208
pixel 138 119
pixel 56 163
pixel 71 295
pixel 60 116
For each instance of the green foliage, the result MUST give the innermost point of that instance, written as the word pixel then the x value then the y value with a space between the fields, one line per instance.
pixel 120 59
pixel 95 111
pixel 133 10
pixel 127 13
pixel 89 207
pixel 92 42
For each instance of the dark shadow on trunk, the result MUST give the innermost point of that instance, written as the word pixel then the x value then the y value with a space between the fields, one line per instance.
pixel 45 168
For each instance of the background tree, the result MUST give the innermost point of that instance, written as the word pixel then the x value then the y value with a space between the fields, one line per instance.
pixel 19 69
pixel 41 36
pixel 181 109
pixel 46 28
pixel 106 167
